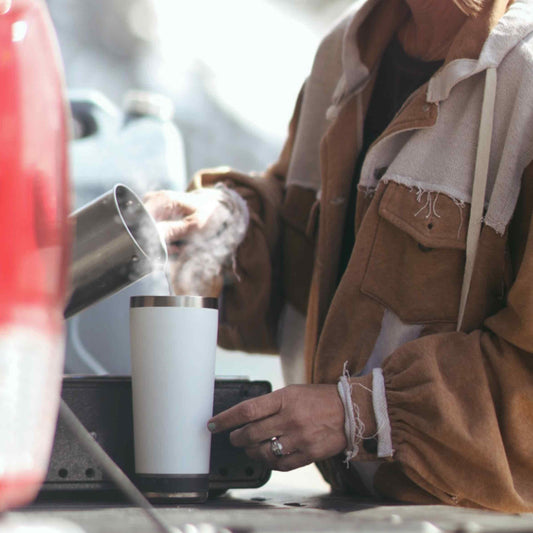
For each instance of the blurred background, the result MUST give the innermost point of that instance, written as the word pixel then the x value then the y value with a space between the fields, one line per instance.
pixel 232 70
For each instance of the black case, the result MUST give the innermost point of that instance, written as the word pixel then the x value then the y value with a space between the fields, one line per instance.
pixel 103 404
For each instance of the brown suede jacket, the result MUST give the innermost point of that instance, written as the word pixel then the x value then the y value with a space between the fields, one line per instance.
pixel 460 403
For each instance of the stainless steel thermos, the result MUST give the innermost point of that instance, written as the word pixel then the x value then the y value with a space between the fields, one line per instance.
pixel 116 243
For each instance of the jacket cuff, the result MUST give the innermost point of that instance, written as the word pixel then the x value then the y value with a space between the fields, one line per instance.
pixel 360 422
pixel 379 403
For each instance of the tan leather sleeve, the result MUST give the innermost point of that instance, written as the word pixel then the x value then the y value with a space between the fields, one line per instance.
pixel 461 405
pixel 250 305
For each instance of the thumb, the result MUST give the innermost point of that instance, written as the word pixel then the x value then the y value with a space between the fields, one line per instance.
pixel 173 231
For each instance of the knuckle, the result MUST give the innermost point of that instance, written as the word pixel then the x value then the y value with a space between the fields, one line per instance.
pixel 251 434
pixel 234 438
pixel 242 437
pixel 249 410
pixel 295 421
pixel 306 440
pixel 290 391
pixel 191 222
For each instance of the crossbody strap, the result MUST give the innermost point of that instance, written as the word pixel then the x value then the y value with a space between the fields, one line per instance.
pixel 479 186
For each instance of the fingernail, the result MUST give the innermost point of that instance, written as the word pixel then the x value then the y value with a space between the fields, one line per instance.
pixel 211 426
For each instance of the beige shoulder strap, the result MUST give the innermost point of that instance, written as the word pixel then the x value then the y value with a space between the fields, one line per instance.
pixel 479 186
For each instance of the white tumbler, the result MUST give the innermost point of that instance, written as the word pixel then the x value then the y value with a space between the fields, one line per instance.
pixel 173 345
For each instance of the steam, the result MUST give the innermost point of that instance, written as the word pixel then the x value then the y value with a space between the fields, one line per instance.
pixel 152 255
pixel 199 266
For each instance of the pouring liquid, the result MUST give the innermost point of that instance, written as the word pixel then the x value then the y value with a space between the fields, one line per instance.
pixel 169 283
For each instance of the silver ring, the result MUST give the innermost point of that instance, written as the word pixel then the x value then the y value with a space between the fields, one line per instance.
pixel 276 447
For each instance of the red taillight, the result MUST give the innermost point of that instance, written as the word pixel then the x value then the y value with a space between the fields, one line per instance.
pixel 34 238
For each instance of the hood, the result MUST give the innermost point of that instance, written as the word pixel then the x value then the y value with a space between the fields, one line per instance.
pixel 482 42
pixel 511 29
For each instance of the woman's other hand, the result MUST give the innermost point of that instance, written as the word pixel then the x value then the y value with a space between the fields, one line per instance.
pixel 307 420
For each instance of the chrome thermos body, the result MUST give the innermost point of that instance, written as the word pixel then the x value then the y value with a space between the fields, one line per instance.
pixel 116 243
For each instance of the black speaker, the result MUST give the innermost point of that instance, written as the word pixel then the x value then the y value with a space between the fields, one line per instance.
pixel 103 405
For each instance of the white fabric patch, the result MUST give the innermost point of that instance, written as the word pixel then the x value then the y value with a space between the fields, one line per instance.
pixel 442 158
pixel 291 340
pixel 379 401
pixel 337 73
pixel 393 334
pixel 446 79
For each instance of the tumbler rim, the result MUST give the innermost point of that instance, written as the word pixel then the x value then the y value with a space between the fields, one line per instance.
pixel 174 301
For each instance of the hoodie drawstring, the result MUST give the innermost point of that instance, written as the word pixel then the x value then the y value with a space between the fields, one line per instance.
pixel 479 186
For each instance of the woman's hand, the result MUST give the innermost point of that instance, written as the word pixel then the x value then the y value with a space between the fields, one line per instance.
pixel 308 421
pixel 202 230
pixel 182 216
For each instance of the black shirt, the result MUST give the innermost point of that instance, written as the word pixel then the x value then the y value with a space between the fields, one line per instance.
pixel 398 76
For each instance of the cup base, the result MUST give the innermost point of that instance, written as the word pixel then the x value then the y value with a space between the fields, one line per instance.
pixel 182 487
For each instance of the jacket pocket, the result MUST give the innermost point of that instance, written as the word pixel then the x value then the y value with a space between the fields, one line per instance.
pixel 416 264
pixel 299 213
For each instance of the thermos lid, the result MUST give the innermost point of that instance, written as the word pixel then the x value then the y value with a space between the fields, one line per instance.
pixel 173 301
